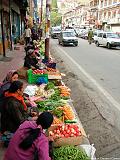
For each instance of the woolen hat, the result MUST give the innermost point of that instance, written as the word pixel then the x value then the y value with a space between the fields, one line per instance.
pixel 45 119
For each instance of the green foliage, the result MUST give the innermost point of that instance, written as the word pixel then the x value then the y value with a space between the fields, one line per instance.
pixel 56 18
pixel 54 4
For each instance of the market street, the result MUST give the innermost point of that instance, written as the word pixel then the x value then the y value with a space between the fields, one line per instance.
pixel 97 69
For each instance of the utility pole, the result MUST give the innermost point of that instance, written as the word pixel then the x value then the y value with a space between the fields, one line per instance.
pixel 10 25
pixel 2 28
pixel 41 13
pixel 47 29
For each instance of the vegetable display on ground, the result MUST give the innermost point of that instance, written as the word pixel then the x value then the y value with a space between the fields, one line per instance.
pixel 68 130
pixel 69 153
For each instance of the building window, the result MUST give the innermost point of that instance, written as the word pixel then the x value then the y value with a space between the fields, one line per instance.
pixel 114 14
pixel 114 1
pixel 109 15
pixel 105 4
pixel 110 2
pixel 101 3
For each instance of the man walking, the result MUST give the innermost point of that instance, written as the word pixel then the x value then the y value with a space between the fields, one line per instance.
pixel 27 34
pixel 90 36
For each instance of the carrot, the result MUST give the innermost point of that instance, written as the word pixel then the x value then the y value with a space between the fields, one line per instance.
pixel 57 121
pixel 68 113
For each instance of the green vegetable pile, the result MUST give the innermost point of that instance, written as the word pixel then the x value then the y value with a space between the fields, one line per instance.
pixel 50 105
pixel 69 153
pixel 57 112
pixel 56 96
pixel 50 85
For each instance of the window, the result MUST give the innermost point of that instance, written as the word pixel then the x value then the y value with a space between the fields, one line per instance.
pixel 105 3
pixel 100 34
pixel 68 34
pixel 95 33
pixel 101 3
pixel 114 1
pixel 112 35
pixel 110 2
pixel 114 14
pixel 104 35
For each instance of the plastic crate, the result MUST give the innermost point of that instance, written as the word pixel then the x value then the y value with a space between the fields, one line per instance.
pixel 32 78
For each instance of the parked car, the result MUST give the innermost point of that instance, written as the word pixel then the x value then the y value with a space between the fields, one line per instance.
pixel 95 37
pixel 108 39
pixel 55 31
pixel 68 37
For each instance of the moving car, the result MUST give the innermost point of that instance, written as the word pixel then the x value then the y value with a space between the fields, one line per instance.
pixel 108 39
pixel 55 31
pixel 68 38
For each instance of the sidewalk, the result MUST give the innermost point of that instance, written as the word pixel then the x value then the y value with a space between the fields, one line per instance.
pixel 14 61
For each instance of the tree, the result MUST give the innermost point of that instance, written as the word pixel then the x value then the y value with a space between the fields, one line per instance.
pixel 56 17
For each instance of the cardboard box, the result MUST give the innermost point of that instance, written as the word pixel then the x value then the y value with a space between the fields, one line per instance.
pixel 68 141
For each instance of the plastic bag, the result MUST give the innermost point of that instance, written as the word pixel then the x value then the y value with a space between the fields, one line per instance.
pixel 90 150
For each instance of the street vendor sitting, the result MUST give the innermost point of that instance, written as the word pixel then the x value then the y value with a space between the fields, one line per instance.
pixel 30 142
pixel 10 77
pixel 31 61
pixel 14 110
pixel 29 46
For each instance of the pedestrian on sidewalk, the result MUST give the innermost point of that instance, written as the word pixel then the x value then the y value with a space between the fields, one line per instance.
pixel 30 142
pixel 27 34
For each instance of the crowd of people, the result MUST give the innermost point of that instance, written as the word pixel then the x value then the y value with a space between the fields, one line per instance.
pixel 26 125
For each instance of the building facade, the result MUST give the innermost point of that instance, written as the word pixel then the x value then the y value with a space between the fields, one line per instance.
pixel 77 17
pixel 99 14
pixel 109 14
pixel 12 17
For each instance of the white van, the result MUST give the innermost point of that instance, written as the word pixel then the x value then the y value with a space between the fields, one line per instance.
pixel 108 39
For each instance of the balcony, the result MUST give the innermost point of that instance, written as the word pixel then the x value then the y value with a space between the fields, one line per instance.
pixel 94 8
pixel 114 21
pixel 104 6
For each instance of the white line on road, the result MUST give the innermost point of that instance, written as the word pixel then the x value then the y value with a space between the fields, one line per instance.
pixel 100 88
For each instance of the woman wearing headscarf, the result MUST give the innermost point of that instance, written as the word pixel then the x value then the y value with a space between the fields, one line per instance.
pixel 31 61
pixel 14 109
pixel 30 139
pixel 11 77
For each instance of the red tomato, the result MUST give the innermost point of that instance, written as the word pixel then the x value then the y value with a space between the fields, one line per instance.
pixel 58 131
pixel 68 131
pixel 66 135
pixel 72 135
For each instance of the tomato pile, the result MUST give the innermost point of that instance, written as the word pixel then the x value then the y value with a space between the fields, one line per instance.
pixel 69 130
pixel 38 71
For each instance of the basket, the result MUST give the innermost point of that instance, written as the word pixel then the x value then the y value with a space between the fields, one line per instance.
pixel 32 78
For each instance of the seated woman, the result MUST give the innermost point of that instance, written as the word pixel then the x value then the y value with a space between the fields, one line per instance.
pixel 11 77
pixel 29 46
pixel 14 109
pixel 30 139
pixel 31 61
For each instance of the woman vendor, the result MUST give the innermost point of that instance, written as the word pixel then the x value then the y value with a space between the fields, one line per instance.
pixel 11 77
pixel 14 109
pixel 31 61
pixel 30 142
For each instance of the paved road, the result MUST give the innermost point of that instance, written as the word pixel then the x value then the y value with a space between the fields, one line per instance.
pixel 98 70
pixel 102 64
